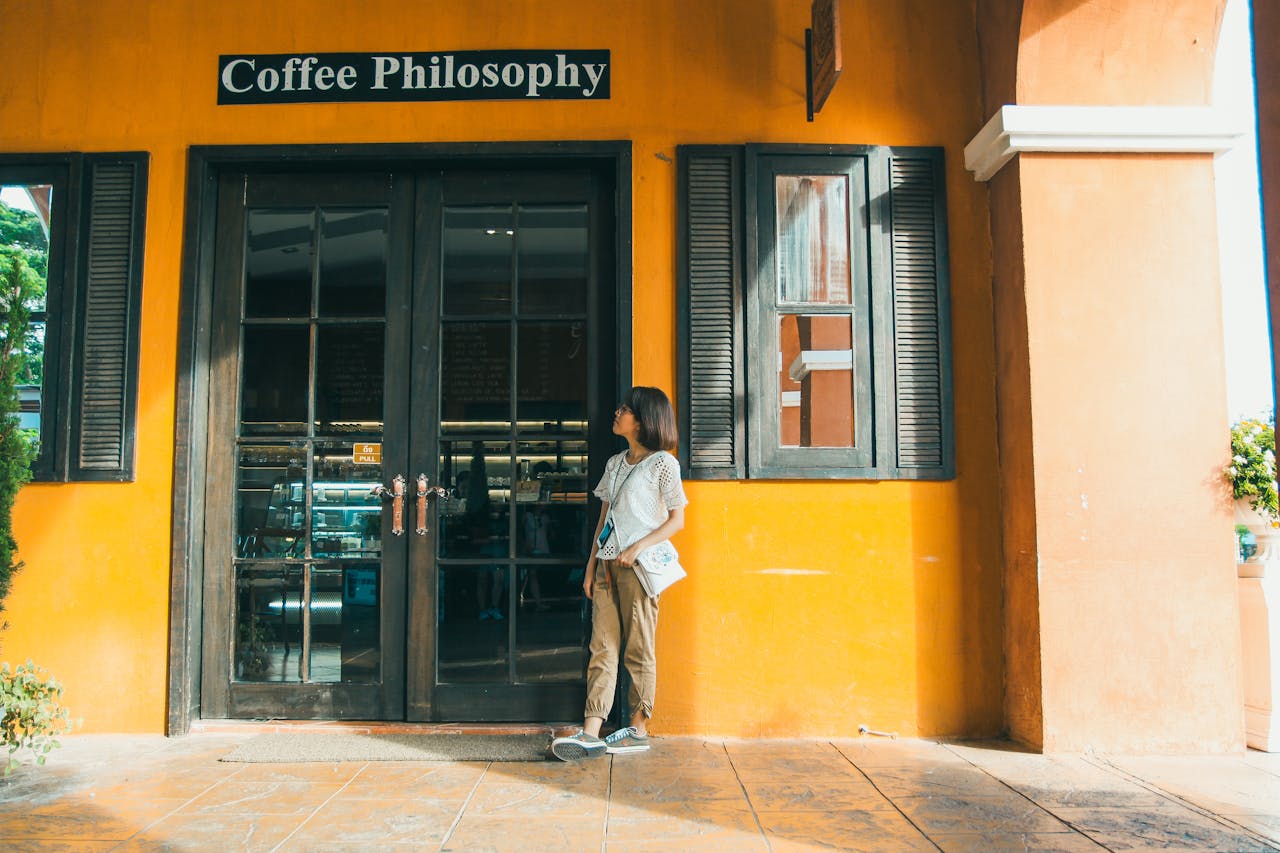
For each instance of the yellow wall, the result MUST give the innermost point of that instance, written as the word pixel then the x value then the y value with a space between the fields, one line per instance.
pixel 889 617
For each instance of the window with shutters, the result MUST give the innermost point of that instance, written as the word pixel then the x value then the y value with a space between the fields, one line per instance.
pixel 75 223
pixel 814 331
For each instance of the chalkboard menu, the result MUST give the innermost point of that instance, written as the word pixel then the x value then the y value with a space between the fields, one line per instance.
pixel 552 364
pixel 475 369
pixel 349 373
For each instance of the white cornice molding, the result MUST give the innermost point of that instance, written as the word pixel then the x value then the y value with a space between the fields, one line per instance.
pixel 809 360
pixel 1131 130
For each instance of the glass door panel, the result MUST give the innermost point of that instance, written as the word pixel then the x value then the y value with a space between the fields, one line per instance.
pixel 275 362
pixel 305 271
pixel 436 327
pixel 553 629
pixel 554 258
pixel 552 375
pixel 517 268
pixel 278 264
pixel 477 248
pixel 353 262
pixel 475 377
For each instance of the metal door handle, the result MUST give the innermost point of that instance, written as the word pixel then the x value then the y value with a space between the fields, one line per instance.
pixel 394 493
pixel 423 493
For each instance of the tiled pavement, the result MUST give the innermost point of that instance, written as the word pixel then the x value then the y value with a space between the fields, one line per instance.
pixel 149 793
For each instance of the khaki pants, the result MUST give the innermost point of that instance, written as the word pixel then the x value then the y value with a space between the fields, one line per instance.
pixel 622 618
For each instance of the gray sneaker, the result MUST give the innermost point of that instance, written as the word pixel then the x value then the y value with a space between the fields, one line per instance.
pixel 577 746
pixel 626 740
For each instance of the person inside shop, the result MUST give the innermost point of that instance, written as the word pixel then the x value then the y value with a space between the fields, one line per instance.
pixel 642 504
pixel 537 543
pixel 473 494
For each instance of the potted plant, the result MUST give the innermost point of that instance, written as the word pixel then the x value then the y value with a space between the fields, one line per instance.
pixel 1252 474
pixel 33 712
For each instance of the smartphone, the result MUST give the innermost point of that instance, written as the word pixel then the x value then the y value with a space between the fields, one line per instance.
pixel 605 532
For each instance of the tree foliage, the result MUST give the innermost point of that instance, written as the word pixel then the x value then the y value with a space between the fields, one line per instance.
pixel 16 451
pixel 21 234
pixel 22 239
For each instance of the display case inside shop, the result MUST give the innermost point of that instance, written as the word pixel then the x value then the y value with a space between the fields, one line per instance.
pixel 346 517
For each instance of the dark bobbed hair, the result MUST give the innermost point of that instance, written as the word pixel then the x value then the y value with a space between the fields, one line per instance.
pixel 657 420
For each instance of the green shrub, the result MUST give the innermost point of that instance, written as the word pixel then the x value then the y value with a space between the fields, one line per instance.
pixel 1252 472
pixel 31 702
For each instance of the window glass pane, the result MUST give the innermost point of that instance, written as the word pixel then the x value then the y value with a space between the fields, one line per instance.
pixel 552 244
pixel 24 235
pixel 815 380
pixel 268 623
pixel 552 376
pixel 553 628
pixel 472 642
pixel 474 521
pixel 478 243
pixel 353 263
pixel 345 623
pixel 551 499
pixel 475 377
pixel 813 238
pixel 346 518
pixel 349 366
pixel 274 386
pixel 31 381
pixel 270 501
pixel 278 263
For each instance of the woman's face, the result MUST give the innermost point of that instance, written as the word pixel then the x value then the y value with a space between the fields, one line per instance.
pixel 625 423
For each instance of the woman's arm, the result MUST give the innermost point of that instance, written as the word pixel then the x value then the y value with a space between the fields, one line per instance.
pixel 668 528
pixel 589 576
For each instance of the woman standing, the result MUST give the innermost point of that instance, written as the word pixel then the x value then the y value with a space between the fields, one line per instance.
pixel 642 504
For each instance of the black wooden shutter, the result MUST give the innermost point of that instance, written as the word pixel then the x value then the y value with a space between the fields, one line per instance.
pixel 104 388
pixel 923 411
pixel 710 315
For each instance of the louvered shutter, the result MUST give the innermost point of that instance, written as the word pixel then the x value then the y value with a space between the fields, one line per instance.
pixel 104 387
pixel 923 417
pixel 710 312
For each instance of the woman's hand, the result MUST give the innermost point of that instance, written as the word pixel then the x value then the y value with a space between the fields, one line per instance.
pixel 589 577
pixel 628 556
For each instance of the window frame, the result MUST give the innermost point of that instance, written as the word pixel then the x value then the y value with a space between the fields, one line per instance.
pixel 729 388
pixel 62 172
pixel 93 311
pixel 767 457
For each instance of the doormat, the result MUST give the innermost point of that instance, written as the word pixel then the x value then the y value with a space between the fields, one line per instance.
pixel 293 747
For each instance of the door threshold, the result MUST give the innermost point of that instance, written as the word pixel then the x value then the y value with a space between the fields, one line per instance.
pixel 376 727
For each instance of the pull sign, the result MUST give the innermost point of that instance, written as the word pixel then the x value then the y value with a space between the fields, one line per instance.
pixel 367 454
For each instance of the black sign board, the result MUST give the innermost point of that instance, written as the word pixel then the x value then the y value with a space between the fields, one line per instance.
pixel 464 75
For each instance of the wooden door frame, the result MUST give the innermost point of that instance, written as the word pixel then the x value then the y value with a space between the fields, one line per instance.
pixel 205 165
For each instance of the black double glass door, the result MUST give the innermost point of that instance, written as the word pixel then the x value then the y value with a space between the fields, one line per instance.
pixel 406 370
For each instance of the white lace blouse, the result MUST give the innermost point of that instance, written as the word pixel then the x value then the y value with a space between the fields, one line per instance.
pixel 640 497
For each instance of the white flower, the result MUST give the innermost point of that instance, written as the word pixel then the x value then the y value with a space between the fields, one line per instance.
pixel 1231 472
pixel 1238 459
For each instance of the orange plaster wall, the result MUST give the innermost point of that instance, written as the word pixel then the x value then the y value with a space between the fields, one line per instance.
pixel 1022 698
pixel 1103 52
pixel 888 616
pixel 1139 634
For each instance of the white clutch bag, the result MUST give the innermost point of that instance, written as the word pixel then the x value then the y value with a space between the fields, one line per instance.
pixel 658 567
